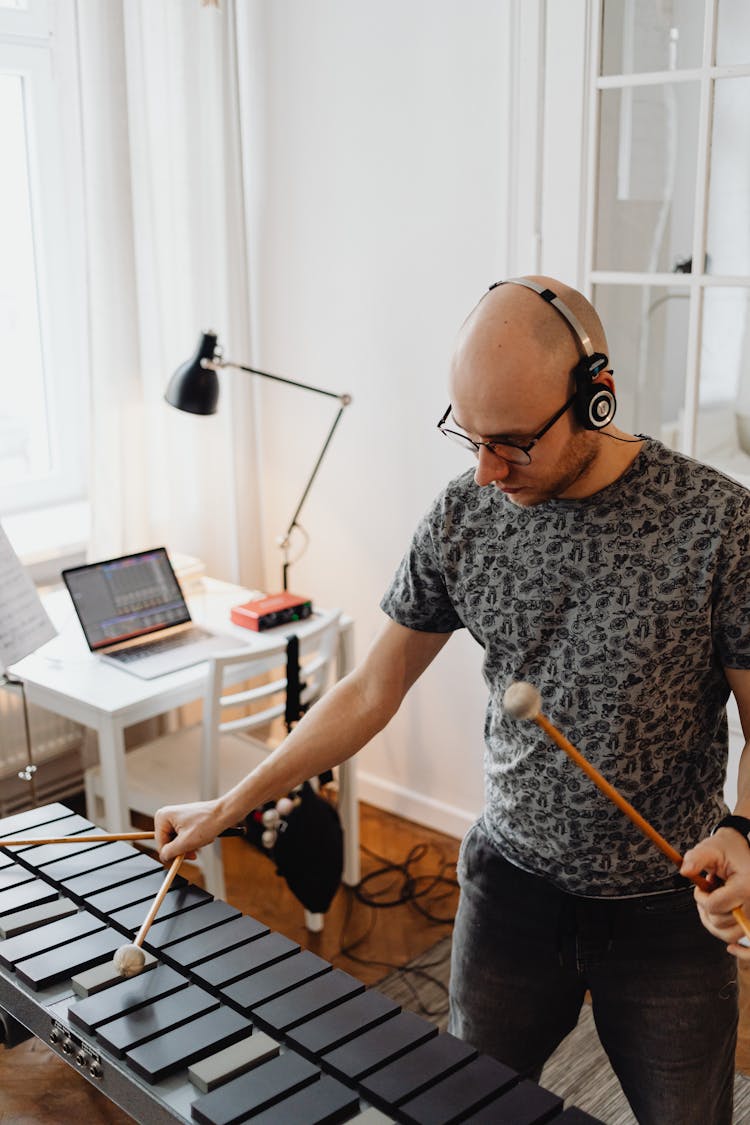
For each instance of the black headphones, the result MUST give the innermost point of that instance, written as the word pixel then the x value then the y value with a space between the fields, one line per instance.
pixel 594 404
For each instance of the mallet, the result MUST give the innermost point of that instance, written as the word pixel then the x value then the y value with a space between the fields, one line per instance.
pixel 103 838
pixel 523 701
pixel 130 959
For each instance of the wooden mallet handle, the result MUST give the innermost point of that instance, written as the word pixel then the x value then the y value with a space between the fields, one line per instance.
pixel 530 710
pixel 160 896
pixel 614 796
pixel 102 838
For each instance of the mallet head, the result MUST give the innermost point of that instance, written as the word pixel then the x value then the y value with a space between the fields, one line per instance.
pixel 522 701
pixel 129 960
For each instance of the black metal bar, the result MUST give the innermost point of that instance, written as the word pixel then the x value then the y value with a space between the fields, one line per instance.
pixel 277 378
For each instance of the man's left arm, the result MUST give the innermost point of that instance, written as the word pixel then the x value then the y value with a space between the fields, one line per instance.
pixel 726 854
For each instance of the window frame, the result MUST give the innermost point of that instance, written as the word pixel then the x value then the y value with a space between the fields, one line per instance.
pixel 30 50
pixel 696 283
pixel 32 21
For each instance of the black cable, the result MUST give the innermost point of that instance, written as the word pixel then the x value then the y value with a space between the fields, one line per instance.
pixel 624 440
pixel 412 887
pixel 405 889
pixel 404 970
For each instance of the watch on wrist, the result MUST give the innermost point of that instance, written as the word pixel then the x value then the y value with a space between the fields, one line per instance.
pixel 740 824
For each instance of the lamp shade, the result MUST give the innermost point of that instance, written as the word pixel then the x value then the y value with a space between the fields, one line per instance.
pixel 192 387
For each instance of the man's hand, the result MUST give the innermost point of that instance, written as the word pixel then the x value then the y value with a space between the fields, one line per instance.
pixel 724 857
pixel 183 829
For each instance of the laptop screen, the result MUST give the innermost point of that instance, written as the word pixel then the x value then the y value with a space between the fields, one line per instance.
pixel 127 597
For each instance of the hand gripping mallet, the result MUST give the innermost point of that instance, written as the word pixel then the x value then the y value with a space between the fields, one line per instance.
pixel 523 701
pixel 130 959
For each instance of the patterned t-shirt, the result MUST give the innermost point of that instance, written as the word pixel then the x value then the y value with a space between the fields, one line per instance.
pixel 622 609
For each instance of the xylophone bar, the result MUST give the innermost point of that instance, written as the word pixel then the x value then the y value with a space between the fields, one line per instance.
pixel 228 1022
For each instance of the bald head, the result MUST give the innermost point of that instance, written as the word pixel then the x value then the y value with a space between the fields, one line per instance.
pixel 512 388
pixel 514 332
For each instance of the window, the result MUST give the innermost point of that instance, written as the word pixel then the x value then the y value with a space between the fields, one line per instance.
pixel 43 416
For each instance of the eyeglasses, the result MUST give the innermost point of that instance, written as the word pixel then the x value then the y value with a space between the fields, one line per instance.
pixel 510 451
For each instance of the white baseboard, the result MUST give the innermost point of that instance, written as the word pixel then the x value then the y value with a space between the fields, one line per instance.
pixel 413 806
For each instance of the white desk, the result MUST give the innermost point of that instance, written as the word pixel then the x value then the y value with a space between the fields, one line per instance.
pixel 64 677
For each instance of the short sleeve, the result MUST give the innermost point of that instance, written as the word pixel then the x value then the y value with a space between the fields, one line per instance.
pixel 417 596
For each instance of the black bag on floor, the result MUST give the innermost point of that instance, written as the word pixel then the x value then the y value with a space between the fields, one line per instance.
pixel 308 848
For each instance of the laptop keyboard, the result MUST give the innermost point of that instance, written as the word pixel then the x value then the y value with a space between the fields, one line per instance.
pixel 139 652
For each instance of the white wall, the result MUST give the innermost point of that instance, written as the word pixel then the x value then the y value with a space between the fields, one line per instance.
pixel 381 206
pixel 399 164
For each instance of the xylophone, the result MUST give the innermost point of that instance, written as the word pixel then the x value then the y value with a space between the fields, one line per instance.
pixel 229 1021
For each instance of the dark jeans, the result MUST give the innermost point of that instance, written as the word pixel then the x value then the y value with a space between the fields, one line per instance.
pixel 663 990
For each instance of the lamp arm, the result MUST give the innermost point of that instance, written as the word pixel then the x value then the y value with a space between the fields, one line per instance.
pixel 217 364
pixel 284 543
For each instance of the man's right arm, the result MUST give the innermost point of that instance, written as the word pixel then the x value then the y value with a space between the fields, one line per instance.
pixel 341 723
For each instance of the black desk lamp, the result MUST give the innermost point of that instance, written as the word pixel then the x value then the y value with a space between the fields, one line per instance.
pixel 194 387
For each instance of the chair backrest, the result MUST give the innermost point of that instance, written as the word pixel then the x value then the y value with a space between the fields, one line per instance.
pixel 262 679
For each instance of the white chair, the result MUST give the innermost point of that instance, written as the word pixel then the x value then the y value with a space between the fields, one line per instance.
pixel 202 761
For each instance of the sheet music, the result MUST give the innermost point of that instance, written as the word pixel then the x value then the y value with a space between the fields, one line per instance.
pixel 24 624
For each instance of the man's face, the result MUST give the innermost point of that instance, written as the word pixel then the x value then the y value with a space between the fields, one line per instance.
pixel 560 460
pixel 510 376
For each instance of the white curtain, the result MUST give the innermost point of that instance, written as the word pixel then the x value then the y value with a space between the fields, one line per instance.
pixel 167 258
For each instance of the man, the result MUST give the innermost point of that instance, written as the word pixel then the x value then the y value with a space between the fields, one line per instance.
pixel 615 576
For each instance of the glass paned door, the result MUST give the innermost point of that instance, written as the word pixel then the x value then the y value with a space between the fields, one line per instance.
pixel 733 30
pixel 728 238
pixel 647 154
pixel 640 36
pixel 668 249
pixel 647 332
pixel 723 421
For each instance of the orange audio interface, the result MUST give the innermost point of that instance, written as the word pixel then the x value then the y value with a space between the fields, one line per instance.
pixel 276 609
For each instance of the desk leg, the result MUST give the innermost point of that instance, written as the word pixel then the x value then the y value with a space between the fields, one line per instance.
pixel 112 763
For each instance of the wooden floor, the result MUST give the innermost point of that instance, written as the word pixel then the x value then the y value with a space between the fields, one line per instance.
pixel 38 1088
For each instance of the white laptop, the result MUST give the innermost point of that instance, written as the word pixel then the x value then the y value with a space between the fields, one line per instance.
pixel 134 615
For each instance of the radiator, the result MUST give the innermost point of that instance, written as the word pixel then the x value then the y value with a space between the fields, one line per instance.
pixel 59 749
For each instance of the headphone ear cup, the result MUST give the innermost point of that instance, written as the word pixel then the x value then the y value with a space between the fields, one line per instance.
pixel 595 406
pixel 595 403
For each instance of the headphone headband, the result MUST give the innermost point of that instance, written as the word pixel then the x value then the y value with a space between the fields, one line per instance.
pixel 594 404
pixel 552 299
